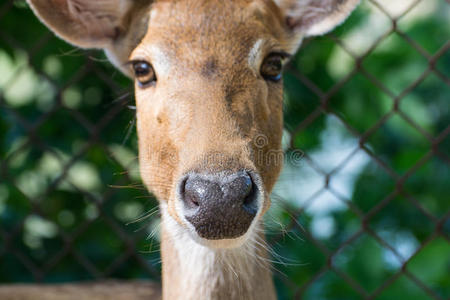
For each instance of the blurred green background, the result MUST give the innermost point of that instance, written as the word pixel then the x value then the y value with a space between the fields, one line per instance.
pixel 364 214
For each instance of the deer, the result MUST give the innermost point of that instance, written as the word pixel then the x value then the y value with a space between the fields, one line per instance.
pixel 208 84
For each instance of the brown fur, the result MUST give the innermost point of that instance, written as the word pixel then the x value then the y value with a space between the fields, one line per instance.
pixel 205 113
pixel 234 105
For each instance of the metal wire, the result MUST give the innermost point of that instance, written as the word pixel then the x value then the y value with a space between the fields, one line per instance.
pixel 130 249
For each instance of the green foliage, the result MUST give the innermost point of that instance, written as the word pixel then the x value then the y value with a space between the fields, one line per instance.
pixel 59 178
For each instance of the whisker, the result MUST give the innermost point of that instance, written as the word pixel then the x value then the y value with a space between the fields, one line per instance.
pixel 144 215
pixel 130 130
pixel 279 258
pixel 127 187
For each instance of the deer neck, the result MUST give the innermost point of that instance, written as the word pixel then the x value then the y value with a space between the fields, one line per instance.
pixel 193 271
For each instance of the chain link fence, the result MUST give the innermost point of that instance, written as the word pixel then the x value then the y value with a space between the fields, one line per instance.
pixel 365 215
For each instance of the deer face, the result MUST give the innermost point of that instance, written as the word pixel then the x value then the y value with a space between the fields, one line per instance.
pixel 208 96
pixel 210 113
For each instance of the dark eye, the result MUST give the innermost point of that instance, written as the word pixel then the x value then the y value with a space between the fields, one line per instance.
pixel 272 67
pixel 144 73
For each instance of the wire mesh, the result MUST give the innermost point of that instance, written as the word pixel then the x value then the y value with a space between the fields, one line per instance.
pixel 86 217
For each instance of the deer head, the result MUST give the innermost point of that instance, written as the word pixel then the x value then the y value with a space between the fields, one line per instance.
pixel 208 95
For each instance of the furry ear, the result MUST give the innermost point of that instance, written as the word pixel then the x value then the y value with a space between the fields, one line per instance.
pixel 115 26
pixel 84 23
pixel 315 17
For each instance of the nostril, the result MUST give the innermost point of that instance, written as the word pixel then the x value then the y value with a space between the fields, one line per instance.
pixel 198 191
pixel 250 203
pixel 250 197
pixel 188 195
pixel 248 185
pixel 191 200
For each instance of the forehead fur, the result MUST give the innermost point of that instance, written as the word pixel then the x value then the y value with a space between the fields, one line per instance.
pixel 188 28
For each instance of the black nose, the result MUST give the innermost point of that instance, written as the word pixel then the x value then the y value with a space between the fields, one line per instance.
pixel 220 206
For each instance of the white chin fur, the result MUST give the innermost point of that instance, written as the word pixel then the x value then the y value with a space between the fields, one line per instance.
pixel 223 243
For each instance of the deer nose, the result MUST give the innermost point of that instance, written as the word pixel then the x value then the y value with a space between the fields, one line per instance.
pixel 220 206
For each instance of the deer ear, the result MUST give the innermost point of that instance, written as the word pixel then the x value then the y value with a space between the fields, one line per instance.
pixel 116 26
pixel 84 23
pixel 315 17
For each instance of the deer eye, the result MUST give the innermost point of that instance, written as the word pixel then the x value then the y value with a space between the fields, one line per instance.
pixel 144 73
pixel 272 67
